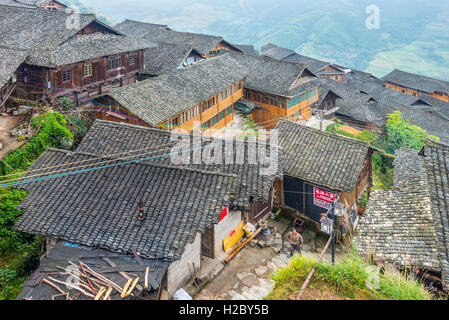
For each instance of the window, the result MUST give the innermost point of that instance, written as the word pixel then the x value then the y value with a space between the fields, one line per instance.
pixel 132 60
pixel 228 110
pixel 114 63
pixel 206 125
pixel 283 104
pixel 221 115
pixel 213 121
pixel 87 70
pixel 66 76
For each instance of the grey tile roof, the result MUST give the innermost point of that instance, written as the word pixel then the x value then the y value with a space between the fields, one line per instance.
pixel 157 100
pixel 416 81
pixel 247 48
pixel 398 224
pixel 10 60
pixel 321 158
pixel 166 57
pixel 366 101
pixel 136 28
pixel 108 138
pixel 99 208
pixel 409 224
pixel 437 165
pixel 313 64
pixel 275 52
pixel 26 3
pixel 24 28
pixel 275 76
pixel 65 252
pixel 157 33
pixel 84 47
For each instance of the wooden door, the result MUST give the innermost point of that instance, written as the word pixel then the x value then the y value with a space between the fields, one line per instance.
pixel 207 243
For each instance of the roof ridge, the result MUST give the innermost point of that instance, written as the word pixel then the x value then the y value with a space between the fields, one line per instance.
pixel 139 162
pixel 345 138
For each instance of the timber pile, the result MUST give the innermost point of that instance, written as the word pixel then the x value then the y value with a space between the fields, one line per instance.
pixel 72 272
pixel 240 246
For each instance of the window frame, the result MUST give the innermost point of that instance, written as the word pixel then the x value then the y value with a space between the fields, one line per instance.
pixel 66 71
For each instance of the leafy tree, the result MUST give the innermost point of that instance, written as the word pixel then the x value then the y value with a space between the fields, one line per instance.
pixel 399 134
pixel 403 134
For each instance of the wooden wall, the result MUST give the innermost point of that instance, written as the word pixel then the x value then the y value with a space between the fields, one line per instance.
pixel 32 81
pixel 201 116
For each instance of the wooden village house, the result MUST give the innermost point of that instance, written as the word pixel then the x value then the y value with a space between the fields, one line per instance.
pixel 319 168
pixel 204 93
pixel 277 89
pixel 408 225
pixel 10 60
pixel 320 68
pixel 82 62
pixel 416 85
pixel 188 211
pixel 51 5
pixel 206 45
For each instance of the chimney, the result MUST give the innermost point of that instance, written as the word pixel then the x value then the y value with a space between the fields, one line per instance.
pixel 141 216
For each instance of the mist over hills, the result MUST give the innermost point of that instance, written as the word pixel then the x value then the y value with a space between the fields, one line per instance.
pixel 413 34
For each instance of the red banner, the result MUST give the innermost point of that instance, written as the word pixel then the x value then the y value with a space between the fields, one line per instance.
pixel 322 198
pixel 224 213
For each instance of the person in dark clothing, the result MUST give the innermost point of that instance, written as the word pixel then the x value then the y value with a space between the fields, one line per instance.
pixel 295 240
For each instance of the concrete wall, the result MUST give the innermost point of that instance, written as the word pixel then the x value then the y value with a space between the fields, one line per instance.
pixel 223 228
pixel 178 273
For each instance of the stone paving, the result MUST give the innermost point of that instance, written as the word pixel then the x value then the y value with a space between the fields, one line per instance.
pixel 257 285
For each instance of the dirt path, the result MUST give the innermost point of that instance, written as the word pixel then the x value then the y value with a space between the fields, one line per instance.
pixel 8 145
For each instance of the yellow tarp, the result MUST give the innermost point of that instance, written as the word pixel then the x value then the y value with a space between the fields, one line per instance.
pixel 233 237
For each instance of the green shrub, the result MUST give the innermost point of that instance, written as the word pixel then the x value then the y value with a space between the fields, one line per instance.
pixel 349 278
pixel 52 129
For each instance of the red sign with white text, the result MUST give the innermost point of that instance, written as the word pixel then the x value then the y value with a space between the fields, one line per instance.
pixel 322 198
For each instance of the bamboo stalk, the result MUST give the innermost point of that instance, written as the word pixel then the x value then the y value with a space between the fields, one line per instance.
pixel 56 287
pixel 309 277
pixel 108 293
pixel 100 293
pixel 74 287
pixel 239 247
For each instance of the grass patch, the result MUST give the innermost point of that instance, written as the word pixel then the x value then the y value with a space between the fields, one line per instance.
pixel 351 278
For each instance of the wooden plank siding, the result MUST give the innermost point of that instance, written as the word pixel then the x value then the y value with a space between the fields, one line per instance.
pixel 5 92
pixel 33 81
pixel 203 113
pixel 291 108
pixel 413 92
pixel 219 47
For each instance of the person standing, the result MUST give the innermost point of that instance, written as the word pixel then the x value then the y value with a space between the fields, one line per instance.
pixel 295 240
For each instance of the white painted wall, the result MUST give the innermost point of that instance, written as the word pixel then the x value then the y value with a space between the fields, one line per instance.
pixel 223 229
pixel 178 272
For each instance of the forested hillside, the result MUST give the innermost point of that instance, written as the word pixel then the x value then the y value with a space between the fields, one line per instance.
pixel 413 34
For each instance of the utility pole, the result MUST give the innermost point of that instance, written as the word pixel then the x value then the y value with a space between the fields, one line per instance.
pixel 333 231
